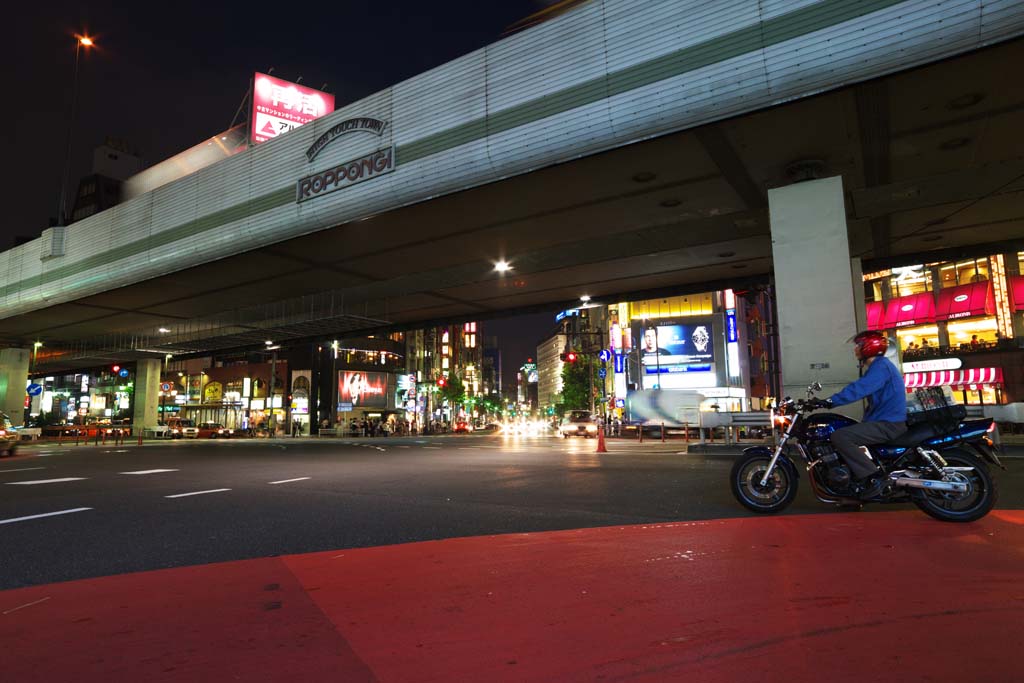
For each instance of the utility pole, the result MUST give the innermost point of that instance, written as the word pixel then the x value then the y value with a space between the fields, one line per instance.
pixel 270 394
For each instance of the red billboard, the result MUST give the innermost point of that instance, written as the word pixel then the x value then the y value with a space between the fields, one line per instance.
pixel 279 106
pixel 363 389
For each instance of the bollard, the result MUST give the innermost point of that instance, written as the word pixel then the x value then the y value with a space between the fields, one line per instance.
pixel 601 447
pixel 104 437
pixel 640 432
pixel 686 432
pixel 140 437
pixel 663 432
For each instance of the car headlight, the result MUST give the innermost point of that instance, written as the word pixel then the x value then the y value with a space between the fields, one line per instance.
pixel 591 428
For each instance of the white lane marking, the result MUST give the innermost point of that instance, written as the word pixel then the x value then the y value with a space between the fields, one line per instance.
pixel 196 493
pixel 288 481
pixel 436 448
pixel 380 449
pixel 43 481
pixel 45 514
pixel 23 469
pixel 148 472
pixel 29 604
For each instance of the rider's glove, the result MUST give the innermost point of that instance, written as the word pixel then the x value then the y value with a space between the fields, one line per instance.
pixel 826 403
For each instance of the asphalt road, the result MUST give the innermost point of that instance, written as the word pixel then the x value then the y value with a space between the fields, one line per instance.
pixel 255 498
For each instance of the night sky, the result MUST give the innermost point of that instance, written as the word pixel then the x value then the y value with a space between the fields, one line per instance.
pixel 166 76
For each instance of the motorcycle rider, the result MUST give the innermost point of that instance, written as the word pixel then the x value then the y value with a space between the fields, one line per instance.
pixel 886 416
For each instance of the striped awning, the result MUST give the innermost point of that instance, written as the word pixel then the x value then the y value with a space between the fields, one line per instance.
pixel 916 380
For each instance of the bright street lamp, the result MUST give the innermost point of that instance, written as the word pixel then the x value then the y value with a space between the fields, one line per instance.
pixel 80 42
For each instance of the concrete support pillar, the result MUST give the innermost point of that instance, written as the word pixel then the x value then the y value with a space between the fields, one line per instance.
pixel 147 394
pixel 815 287
pixel 13 380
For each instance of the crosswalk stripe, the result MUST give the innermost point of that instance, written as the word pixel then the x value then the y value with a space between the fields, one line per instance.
pixel 43 481
pixel 148 472
pixel 288 481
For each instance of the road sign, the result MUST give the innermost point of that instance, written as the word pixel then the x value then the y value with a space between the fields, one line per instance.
pixel 34 389
pixel 620 403
pixel 165 387
pixel 605 355
pixel 123 372
pixel 602 373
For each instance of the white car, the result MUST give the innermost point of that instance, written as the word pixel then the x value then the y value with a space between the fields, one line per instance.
pixel 578 423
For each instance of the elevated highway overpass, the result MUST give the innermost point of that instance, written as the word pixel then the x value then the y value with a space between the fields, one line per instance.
pixel 623 147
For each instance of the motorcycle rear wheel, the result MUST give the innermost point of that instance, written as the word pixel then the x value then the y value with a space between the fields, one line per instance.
pixel 981 495
pixel 775 496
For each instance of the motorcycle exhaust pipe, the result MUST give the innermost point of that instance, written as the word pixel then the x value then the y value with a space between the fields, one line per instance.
pixel 951 486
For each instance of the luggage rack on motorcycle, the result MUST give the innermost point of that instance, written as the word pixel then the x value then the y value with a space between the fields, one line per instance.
pixel 936 410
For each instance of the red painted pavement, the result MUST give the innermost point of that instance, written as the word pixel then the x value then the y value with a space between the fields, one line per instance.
pixel 889 596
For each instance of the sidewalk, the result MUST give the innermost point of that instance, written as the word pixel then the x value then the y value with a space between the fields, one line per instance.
pixel 767 599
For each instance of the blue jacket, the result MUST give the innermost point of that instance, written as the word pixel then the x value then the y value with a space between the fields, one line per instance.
pixel 883 386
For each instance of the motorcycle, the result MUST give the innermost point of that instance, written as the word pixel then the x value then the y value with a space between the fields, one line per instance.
pixel 939 465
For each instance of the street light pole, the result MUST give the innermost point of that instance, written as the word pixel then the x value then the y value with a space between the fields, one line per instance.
pixel 80 42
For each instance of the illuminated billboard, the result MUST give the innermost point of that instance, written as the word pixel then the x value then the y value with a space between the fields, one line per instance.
pixel 363 389
pixel 279 106
pixel 668 346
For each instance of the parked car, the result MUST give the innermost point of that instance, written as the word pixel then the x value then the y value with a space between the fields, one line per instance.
pixel 181 428
pixel 213 430
pixel 8 436
pixel 463 427
pixel 578 423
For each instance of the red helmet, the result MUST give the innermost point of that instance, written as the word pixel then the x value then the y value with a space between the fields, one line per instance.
pixel 870 343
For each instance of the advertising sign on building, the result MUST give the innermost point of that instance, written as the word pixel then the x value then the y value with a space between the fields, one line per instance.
pixel 279 106
pixel 363 389
pixel 300 391
pixel 670 346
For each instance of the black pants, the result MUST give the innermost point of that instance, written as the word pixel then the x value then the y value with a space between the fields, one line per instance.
pixel 848 442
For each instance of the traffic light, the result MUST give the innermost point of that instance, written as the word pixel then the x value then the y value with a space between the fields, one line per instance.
pixel 116 369
pixel 442 382
pixel 569 357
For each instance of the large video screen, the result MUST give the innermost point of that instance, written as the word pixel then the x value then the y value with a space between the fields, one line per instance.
pixel 667 346
pixel 363 389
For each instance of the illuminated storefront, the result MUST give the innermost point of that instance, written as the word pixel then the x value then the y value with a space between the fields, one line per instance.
pixel 713 346
pixel 958 324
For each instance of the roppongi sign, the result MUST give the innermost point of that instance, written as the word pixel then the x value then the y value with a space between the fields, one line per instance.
pixel 279 106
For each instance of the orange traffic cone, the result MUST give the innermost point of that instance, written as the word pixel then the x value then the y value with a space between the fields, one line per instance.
pixel 601 448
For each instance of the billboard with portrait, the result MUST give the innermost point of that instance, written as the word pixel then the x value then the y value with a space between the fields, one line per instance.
pixel 279 106
pixel 363 389
pixel 669 346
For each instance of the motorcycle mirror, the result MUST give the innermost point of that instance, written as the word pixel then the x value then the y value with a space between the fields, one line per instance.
pixel 816 386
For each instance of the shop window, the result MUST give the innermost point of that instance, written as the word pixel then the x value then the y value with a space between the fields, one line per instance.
pixel 908 280
pixel 975 270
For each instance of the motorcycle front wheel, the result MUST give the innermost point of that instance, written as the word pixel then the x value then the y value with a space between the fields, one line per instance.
pixel 775 495
pixel 972 505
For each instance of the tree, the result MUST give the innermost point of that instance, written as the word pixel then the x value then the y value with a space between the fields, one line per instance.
pixel 454 391
pixel 576 384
